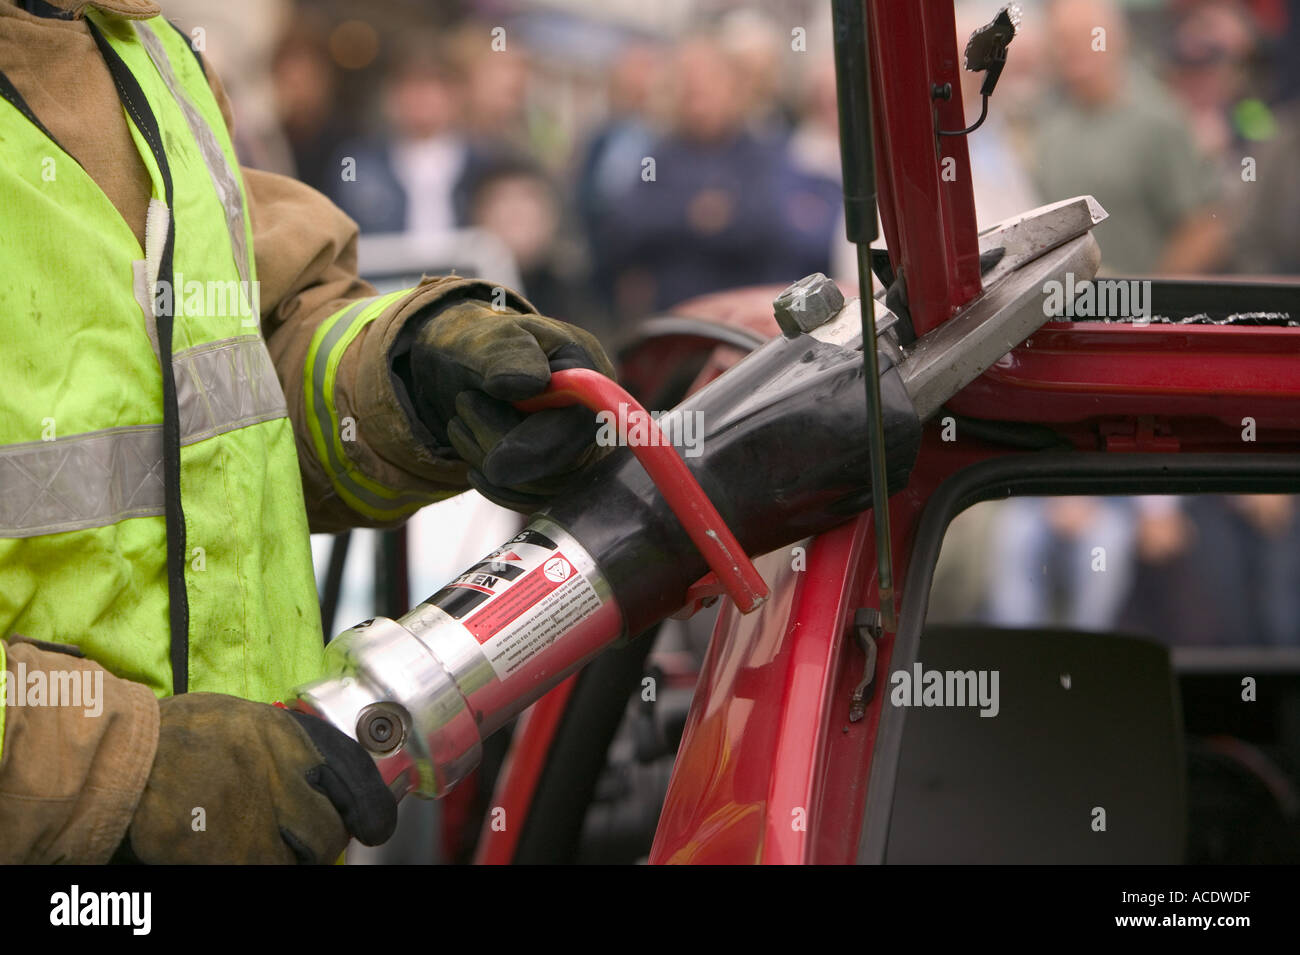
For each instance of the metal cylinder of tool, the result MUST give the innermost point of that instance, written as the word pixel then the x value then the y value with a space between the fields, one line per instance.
pixel 421 692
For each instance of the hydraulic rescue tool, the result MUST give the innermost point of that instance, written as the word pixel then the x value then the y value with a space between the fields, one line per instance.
pixel 783 458
pixel 652 533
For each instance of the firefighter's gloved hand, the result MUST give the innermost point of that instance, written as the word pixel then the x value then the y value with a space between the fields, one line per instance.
pixel 273 785
pixel 469 362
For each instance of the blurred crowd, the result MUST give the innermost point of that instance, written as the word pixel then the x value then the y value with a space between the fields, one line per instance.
pixel 630 159
pixel 1207 570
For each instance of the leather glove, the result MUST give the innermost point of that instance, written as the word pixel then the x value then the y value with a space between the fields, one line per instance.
pixel 274 786
pixel 468 363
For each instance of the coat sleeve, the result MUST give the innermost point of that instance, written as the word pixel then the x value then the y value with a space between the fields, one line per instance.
pixel 365 460
pixel 70 775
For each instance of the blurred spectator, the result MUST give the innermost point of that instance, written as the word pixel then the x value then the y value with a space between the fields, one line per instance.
pixel 813 150
pixel 414 178
pixel 963 574
pixel 712 205
pixel 1220 571
pixel 1214 45
pixel 1288 64
pixel 1116 134
pixel 516 200
pixel 756 46
pixel 815 143
pixel 495 72
pixel 1267 236
pixel 306 85
pixel 611 162
pixel 1062 560
pixel 238 38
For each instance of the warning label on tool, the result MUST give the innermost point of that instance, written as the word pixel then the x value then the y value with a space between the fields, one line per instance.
pixel 519 599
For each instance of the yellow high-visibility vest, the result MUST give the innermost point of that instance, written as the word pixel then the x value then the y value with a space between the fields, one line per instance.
pixel 84 476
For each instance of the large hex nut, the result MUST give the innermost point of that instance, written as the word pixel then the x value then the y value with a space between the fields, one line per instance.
pixel 807 304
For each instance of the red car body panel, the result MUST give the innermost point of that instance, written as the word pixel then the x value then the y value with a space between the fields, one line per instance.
pixel 1070 372
pixel 770 769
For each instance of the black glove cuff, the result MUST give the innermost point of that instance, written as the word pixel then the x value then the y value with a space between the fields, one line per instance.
pixel 350 780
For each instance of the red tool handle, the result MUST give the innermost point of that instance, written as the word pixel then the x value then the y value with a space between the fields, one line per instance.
pixel 710 534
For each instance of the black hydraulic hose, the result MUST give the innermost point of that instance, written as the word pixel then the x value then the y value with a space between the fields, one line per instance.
pixel 329 603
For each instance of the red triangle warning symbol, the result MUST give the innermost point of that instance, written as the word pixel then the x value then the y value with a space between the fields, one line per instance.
pixel 511 556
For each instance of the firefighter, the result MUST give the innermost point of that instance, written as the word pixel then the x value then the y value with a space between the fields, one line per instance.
pixel 195 377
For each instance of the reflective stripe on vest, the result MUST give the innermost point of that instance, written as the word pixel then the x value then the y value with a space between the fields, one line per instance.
pixel 102 477
pixel 82 528
pixel 223 177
